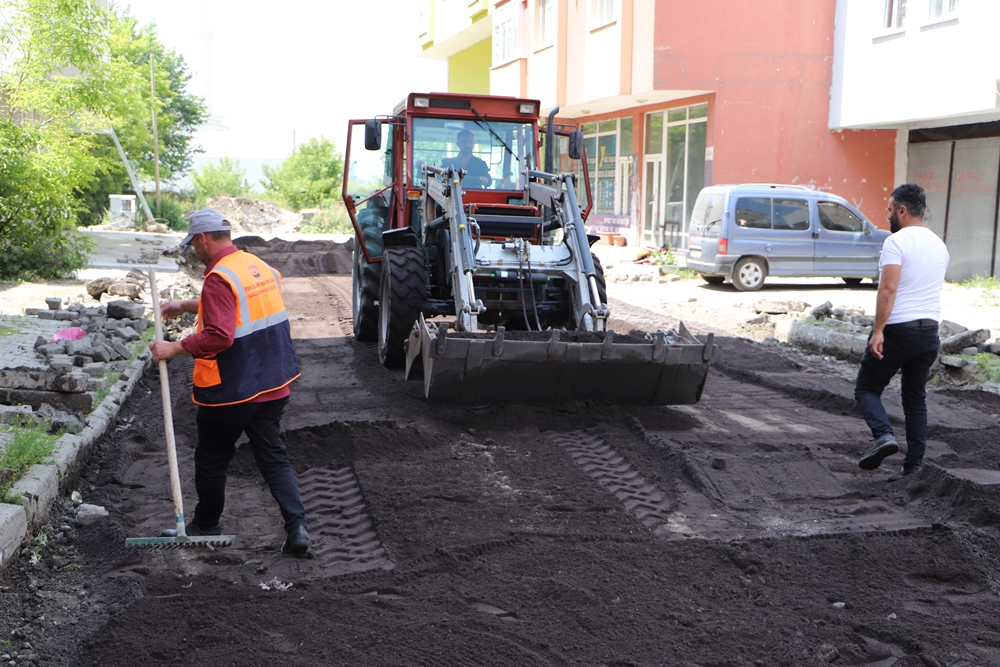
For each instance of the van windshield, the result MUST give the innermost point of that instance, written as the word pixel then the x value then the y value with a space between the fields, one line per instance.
pixel 707 214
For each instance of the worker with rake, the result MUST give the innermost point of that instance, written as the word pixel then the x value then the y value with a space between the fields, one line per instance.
pixel 244 364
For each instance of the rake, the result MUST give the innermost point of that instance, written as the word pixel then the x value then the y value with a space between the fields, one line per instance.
pixel 179 538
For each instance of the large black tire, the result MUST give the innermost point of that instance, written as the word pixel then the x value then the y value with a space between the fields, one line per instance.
pixel 749 274
pixel 364 284
pixel 402 298
pixel 713 280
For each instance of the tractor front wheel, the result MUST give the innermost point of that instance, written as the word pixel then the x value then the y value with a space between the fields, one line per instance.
pixel 402 298
pixel 364 308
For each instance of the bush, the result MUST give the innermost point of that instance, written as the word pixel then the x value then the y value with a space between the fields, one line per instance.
pixel 332 219
pixel 308 177
pixel 226 179
pixel 171 210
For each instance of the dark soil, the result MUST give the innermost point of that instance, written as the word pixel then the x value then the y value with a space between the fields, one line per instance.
pixel 738 531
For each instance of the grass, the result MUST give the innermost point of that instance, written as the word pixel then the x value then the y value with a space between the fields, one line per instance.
pixel 685 274
pixel 987 366
pixel 7 331
pixel 332 219
pixel 663 256
pixel 989 285
pixel 27 446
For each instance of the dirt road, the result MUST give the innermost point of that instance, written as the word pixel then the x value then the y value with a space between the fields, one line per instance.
pixel 738 531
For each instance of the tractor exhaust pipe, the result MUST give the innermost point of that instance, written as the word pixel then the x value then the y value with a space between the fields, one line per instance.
pixel 550 146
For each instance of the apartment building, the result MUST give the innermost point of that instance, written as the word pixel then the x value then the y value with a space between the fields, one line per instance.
pixel 929 71
pixel 673 95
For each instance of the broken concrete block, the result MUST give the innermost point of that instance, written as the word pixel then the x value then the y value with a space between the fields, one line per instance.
pixel 87 514
pixel 46 314
pixel 40 342
pixel 92 312
pixel 995 347
pixel 65 315
pixel 98 286
pixel 61 362
pixel 122 350
pixel 54 303
pixel 125 310
pixel 79 346
pixel 95 369
pixel 96 383
pixel 13 414
pixel 965 339
pixel 39 378
pixel 130 290
pixel 51 348
pixel 80 403
pixel 126 333
pixel 32 312
pixel 947 329
pixel 102 353
pixel 821 311
pixel 971 350
pixel 953 362
pixel 141 324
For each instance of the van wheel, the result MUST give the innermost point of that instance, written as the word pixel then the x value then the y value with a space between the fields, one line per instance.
pixel 749 274
pixel 713 280
pixel 853 282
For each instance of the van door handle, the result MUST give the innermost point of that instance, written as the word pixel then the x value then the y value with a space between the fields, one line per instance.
pixel 815 235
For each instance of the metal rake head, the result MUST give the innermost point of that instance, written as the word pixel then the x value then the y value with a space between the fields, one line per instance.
pixel 193 542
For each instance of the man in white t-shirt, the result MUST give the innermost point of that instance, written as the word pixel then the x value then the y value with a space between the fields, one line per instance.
pixel 905 335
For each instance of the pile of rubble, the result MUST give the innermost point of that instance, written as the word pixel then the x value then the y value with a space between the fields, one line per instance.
pixel 102 329
pixel 843 333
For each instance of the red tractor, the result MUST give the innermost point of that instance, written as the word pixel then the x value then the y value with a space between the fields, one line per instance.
pixel 473 269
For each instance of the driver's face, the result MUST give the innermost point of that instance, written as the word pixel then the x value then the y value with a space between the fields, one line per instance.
pixel 466 143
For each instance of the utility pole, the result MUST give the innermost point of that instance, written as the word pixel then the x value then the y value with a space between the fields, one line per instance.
pixel 156 138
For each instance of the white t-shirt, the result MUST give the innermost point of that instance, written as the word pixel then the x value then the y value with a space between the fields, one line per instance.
pixel 923 259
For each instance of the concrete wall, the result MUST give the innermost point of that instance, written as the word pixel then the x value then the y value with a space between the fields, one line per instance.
pixel 946 70
pixel 469 70
pixel 770 64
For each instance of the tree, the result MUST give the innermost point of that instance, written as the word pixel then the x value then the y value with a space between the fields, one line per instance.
pixel 49 113
pixel 227 179
pixel 179 113
pixel 308 176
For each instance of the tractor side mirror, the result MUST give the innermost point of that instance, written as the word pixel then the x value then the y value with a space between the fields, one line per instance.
pixel 373 135
pixel 575 149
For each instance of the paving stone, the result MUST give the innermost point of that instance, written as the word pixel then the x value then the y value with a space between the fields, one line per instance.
pixel 125 310
pixel 122 350
pixel 95 369
pixel 65 315
pixel 10 414
pixel 34 378
pixel 46 314
pixel 53 303
pixel 80 403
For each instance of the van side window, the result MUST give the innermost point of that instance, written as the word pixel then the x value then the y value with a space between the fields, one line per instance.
pixel 791 214
pixel 836 218
pixel 753 212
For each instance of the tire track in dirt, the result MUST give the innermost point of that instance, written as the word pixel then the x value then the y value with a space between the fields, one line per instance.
pixel 342 531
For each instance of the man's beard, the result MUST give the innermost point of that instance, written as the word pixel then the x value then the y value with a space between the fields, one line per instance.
pixel 894 225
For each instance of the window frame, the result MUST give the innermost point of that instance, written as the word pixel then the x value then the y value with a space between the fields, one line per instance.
pixel 602 13
pixel 891 15
pixel 947 11
pixel 546 23
pixel 506 34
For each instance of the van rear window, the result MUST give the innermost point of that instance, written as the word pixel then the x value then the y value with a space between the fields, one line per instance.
pixel 768 213
pixel 707 212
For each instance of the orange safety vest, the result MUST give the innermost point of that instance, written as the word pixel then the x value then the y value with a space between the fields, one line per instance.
pixel 262 357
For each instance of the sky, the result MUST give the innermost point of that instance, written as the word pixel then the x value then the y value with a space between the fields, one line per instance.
pixel 277 73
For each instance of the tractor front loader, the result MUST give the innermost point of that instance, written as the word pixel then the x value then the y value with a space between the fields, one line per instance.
pixel 474 271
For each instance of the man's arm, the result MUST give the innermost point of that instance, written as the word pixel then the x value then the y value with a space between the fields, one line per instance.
pixel 887 285
pixel 217 329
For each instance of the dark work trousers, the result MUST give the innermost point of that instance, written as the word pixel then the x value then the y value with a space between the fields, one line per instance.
pixel 218 430
pixel 911 350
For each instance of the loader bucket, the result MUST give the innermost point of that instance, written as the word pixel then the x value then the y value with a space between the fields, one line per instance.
pixel 553 367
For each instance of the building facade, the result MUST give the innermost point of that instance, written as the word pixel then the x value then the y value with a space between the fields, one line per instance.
pixel 673 95
pixel 929 71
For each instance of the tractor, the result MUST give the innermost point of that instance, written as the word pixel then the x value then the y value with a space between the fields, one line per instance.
pixel 473 269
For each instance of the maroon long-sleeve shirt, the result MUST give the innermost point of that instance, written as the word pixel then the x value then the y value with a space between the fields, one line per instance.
pixel 218 326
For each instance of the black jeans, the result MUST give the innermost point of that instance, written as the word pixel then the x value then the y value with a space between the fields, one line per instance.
pixel 912 350
pixel 218 430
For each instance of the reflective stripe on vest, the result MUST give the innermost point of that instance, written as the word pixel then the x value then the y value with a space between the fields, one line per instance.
pixel 262 357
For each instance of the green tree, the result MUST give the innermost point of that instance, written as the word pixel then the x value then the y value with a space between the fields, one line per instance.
pixel 226 179
pixel 307 177
pixel 178 115
pixel 49 113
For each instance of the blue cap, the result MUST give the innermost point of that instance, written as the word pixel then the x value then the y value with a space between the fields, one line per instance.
pixel 204 221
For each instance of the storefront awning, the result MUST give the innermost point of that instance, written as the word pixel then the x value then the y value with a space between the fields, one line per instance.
pixel 621 102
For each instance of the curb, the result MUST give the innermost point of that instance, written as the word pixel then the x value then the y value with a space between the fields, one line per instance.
pixel 42 483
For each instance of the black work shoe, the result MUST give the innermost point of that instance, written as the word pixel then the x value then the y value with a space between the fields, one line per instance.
pixel 910 468
pixel 193 530
pixel 297 542
pixel 883 447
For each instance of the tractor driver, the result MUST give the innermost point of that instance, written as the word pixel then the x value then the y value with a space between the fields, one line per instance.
pixel 477 172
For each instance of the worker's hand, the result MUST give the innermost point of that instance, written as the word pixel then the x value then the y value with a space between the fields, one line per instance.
pixel 170 309
pixel 163 350
pixel 875 345
pixel 484 181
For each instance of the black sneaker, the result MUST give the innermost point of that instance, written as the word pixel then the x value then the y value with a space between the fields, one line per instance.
pixel 883 447
pixel 297 542
pixel 193 530
pixel 910 468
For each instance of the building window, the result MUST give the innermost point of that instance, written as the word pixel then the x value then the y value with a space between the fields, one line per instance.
pixel 602 12
pixel 895 14
pixel 943 8
pixel 608 148
pixel 505 34
pixel 545 23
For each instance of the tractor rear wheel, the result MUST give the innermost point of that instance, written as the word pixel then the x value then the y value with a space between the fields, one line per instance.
pixel 364 283
pixel 602 283
pixel 402 298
